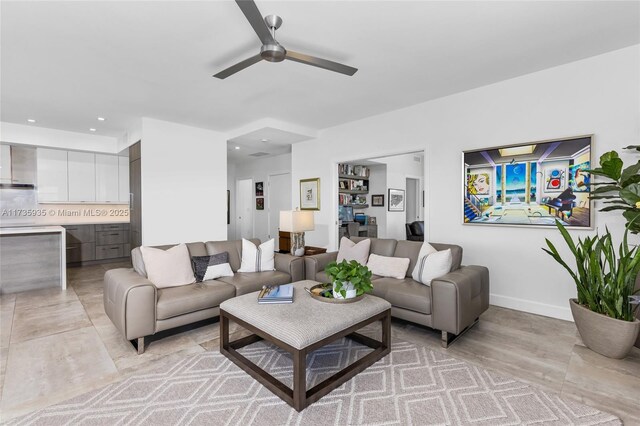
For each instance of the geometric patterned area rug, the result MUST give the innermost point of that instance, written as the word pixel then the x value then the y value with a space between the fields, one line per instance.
pixel 411 386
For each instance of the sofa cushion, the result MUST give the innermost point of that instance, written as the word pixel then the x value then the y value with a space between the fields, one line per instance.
pixel 211 267
pixel 410 250
pixel 234 248
pixel 354 251
pixel 405 293
pixel 247 282
pixel 388 266
pixel 182 300
pixel 168 268
pixel 195 249
pixel 379 246
pixel 257 257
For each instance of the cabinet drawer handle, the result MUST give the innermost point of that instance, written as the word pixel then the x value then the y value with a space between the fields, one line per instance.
pixel 115 248
pixel 114 234
pixel 71 248
pixel 72 229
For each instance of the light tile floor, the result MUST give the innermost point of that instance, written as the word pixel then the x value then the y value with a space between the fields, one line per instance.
pixel 58 344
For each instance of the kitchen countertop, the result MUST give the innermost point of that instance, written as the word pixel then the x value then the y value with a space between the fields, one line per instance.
pixel 31 230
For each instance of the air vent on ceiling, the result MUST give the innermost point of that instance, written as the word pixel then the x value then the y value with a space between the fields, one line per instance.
pixel 417 158
pixel 258 154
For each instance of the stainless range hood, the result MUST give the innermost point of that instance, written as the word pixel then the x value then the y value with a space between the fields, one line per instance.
pixel 22 164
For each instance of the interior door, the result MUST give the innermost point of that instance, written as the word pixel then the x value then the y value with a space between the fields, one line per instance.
pixel 413 200
pixel 244 208
pixel 279 198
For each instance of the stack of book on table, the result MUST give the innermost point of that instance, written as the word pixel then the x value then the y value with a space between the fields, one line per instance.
pixel 276 294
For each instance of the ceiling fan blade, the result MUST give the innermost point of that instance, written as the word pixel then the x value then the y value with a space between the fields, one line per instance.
pixel 238 67
pixel 320 63
pixel 256 20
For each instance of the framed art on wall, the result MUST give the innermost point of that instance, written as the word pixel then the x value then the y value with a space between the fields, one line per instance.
pixel 396 200
pixel 531 184
pixel 377 200
pixel 259 203
pixel 259 189
pixel 310 194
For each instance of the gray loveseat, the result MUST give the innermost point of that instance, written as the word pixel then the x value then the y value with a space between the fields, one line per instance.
pixel 139 309
pixel 452 304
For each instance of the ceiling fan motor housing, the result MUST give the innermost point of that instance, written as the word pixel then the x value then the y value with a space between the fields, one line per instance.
pixel 273 52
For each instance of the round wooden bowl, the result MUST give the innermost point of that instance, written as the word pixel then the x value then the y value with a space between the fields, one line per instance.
pixel 327 286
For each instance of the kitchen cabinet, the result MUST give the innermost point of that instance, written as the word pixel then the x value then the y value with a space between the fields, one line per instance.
pixel 123 179
pixel 107 178
pixel 5 164
pixel 99 242
pixel 52 175
pixel 82 176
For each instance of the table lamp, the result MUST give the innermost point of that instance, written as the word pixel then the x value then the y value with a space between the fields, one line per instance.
pixel 296 222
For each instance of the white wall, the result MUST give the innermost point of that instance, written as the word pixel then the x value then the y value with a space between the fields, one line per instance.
pixel 597 95
pixel 21 134
pixel 258 170
pixel 184 182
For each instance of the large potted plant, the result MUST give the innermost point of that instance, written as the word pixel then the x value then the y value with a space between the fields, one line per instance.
pixel 605 279
pixel 350 279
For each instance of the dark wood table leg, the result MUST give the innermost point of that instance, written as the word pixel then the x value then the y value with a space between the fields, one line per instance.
pixel 299 380
pixel 224 332
pixel 386 330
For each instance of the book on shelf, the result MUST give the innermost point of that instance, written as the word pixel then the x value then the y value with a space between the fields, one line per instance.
pixel 276 294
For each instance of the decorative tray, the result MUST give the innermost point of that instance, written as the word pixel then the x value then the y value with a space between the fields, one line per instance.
pixel 324 293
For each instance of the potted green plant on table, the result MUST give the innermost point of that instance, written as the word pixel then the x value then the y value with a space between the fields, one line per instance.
pixel 349 279
pixel 605 279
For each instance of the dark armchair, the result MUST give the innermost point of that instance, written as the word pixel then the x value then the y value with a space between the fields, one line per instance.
pixel 415 231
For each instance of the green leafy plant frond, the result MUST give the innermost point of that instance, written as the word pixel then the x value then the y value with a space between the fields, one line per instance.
pixel 352 271
pixel 604 275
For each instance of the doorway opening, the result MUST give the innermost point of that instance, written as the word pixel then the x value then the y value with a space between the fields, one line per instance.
pixel 244 208
pixel 378 197
pixel 279 199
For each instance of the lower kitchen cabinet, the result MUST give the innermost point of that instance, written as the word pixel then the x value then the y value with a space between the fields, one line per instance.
pixel 95 243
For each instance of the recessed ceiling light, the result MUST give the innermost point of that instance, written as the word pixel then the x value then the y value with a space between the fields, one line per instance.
pixel 31 120
pixel 101 118
pixel 92 129
pixel 264 140
pixel 237 147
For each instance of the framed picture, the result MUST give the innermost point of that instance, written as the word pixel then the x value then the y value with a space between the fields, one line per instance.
pixel 259 189
pixel 377 200
pixel 259 203
pixel 310 194
pixel 373 220
pixel 396 200
pixel 530 184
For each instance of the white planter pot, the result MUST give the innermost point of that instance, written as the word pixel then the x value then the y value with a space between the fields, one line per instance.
pixel 351 292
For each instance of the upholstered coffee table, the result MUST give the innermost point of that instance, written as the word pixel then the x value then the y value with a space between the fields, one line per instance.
pixel 300 328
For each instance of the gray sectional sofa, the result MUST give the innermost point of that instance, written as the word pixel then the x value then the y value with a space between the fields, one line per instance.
pixel 139 309
pixel 452 304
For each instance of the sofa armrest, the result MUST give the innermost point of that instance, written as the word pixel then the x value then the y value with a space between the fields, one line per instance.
pixel 130 302
pixel 292 265
pixel 317 263
pixel 459 297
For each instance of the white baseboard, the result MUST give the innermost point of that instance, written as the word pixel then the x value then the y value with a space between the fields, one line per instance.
pixel 552 311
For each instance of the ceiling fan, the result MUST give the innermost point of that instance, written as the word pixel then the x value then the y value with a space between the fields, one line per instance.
pixel 273 51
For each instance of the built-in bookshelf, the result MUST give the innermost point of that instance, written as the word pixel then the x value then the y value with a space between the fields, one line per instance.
pixel 353 185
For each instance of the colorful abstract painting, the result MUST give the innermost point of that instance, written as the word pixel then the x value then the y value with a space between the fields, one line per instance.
pixel 478 184
pixel 554 179
pixel 579 178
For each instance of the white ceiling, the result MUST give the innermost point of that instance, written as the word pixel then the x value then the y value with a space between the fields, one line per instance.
pixel 266 140
pixel 65 63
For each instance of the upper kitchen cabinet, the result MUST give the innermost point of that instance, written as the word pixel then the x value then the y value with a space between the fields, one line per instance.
pixel 5 164
pixel 52 175
pixel 82 176
pixel 123 179
pixel 107 178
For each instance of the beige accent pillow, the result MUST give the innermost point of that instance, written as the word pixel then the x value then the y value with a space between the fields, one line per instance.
pixel 351 251
pixel 168 268
pixel 385 266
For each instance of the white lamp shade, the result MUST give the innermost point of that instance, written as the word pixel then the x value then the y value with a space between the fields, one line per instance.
pixel 296 221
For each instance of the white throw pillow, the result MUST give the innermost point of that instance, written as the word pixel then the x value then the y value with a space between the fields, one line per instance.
pixel 434 266
pixel 217 271
pixel 351 251
pixel 257 259
pixel 168 268
pixel 425 251
pixel 393 267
